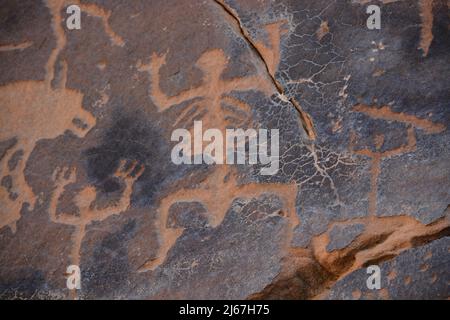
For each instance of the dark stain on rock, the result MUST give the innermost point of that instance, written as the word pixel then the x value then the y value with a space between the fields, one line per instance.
pixel 25 284
pixel 132 136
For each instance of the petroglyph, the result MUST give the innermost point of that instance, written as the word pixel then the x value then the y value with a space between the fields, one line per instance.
pixel 319 269
pixel 216 193
pixel 91 10
pixel 85 202
pixel 31 111
pixel 323 30
pixel 384 237
pixel 360 205
pixel 96 11
pixel 55 7
pixel 385 113
pixel 214 103
pixel 426 14
pixel 212 96
pixel 271 60
pixel 13 47
pixel 271 55
pixel 34 110
pixel 426 34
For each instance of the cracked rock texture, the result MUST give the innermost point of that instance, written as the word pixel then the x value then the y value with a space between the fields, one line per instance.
pixel 86 118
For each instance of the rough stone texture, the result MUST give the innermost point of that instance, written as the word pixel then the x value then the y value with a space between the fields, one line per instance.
pixel 86 176
pixel 342 236
pixel 418 273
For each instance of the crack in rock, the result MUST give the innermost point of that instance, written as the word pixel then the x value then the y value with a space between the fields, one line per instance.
pixel 305 118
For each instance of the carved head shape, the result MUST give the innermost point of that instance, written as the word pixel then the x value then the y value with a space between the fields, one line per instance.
pixel 31 111
pixel 212 63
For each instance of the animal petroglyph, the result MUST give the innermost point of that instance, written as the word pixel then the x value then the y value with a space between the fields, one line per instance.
pixel 55 7
pixel 91 10
pixel 31 111
pixel 85 202
pixel 98 12
pixel 35 110
pixel 217 193
pixel 385 113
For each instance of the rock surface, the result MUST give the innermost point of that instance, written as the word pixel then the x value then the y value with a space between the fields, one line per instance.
pixel 87 178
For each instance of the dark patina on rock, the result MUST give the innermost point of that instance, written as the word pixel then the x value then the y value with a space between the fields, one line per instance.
pixel 86 118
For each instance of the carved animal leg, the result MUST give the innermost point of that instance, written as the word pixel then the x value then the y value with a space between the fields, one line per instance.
pixel 217 210
pixel 13 197
pixel 9 210
pixel 166 238
pixel 21 186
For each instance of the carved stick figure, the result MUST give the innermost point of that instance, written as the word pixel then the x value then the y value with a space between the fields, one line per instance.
pixel 85 201
pixel 214 101
pixel 215 92
pixel 385 113
pixel 212 96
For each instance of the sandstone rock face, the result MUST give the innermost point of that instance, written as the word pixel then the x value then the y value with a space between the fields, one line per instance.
pixel 87 178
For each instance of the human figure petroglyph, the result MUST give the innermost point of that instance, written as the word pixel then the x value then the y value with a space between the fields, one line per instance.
pixel 212 97
pixel 35 110
pixel 217 193
pixel 85 202
pixel 215 92
pixel 426 16
pixel 208 102
pixel 377 156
